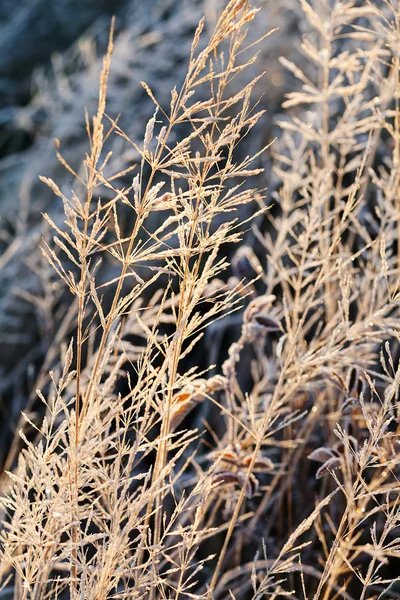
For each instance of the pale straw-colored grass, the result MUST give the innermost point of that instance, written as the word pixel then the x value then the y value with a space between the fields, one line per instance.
pixel 124 492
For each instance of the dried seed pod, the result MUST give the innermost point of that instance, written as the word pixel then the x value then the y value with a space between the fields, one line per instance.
pixel 182 404
pixel 330 465
pixel 224 478
pixel 257 319
pixel 262 464
pixel 226 456
pixel 241 263
pixel 258 306
pixel 216 384
pixel 268 323
pixel 321 454
pixel 251 486
pixel 229 477
pixel 180 408
pixel 333 457
pixel 196 392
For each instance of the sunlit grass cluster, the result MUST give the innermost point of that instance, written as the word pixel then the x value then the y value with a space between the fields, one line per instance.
pixel 151 472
